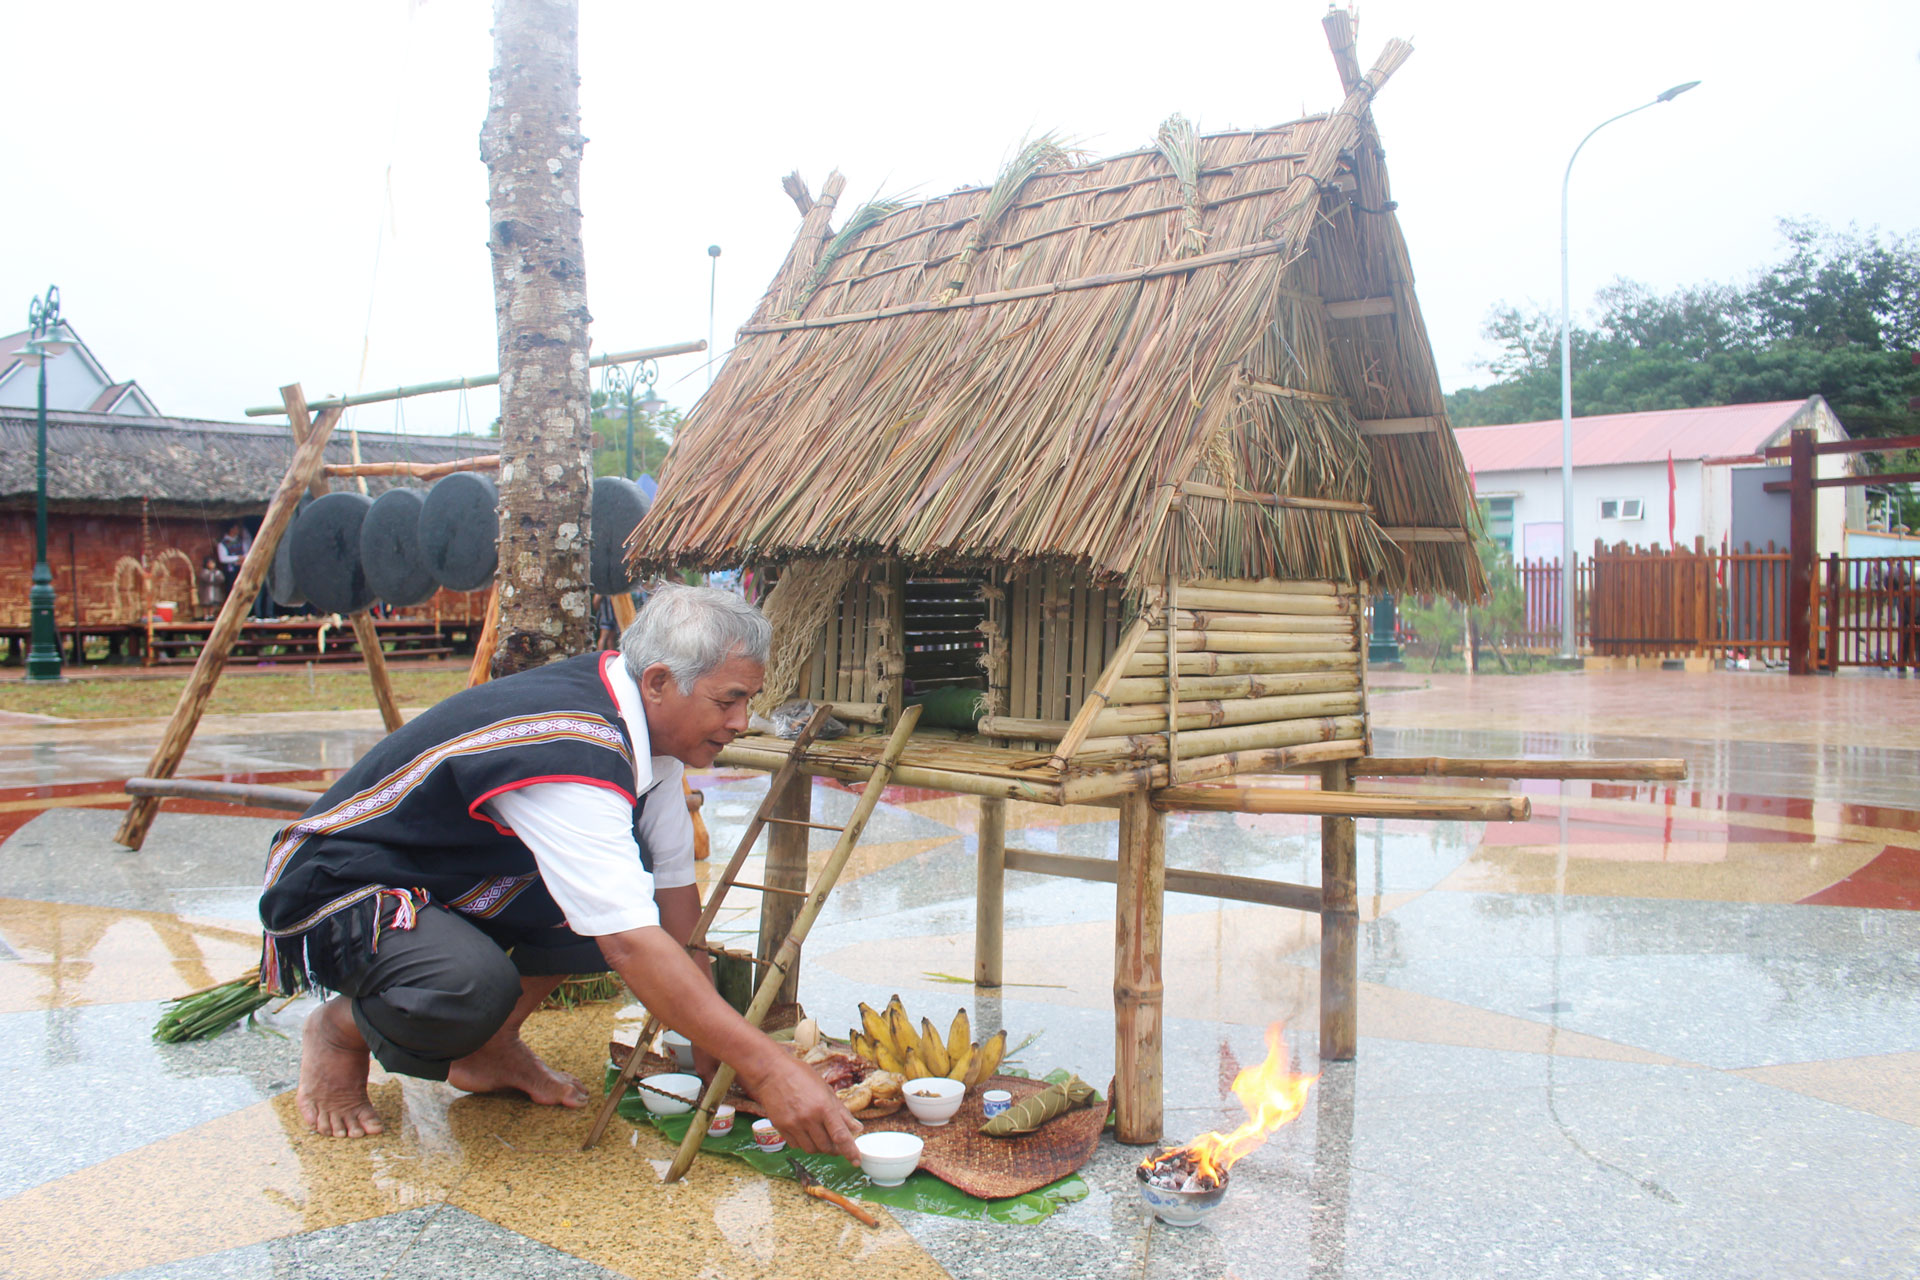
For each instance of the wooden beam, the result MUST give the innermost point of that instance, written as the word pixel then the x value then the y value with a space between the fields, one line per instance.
pixel 1800 547
pixel 301 473
pixel 1867 444
pixel 1339 925
pixel 287 799
pixel 418 470
pixel 1360 308
pixel 1848 482
pixel 1400 426
pixel 1206 884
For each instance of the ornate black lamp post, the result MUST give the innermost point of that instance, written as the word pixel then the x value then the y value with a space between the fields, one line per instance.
pixel 43 341
pixel 633 384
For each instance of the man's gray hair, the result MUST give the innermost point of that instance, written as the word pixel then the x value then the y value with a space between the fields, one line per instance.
pixel 692 630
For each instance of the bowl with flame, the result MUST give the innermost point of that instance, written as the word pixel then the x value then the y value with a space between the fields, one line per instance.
pixel 1179 1189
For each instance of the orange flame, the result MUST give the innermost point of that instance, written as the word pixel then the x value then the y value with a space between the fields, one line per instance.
pixel 1272 1095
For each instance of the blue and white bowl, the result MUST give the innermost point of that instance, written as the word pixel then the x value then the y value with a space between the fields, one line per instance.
pixel 1178 1208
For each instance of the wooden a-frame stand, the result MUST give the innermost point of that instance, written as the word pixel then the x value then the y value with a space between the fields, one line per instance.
pixel 306 474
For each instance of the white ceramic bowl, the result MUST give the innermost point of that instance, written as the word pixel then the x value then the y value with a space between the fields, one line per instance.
pixel 936 1110
pixel 887 1158
pixel 687 1086
pixel 679 1048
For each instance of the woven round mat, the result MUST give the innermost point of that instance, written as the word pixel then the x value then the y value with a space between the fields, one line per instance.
pixel 959 1154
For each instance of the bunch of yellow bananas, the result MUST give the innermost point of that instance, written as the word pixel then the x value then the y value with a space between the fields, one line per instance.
pixel 890 1040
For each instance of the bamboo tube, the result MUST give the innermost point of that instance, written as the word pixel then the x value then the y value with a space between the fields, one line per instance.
pixel 1241 664
pixel 187 711
pixel 1259 799
pixel 990 892
pixel 1268 760
pixel 1099 695
pixel 1213 714
pixel 1272 586
pixel 786 868
pixel 1247 642
pixel 1286 623
pixel 860 712
pixel 285 799
pixel 1138 992
pixel 961 783
pixel 1147 689
pixel 1624 770
pixel 1143 746
pixel 1170 639
pixel 1025 730
pixel 1242 737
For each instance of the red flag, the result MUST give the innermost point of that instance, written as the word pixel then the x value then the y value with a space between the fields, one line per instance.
pixel 1670 489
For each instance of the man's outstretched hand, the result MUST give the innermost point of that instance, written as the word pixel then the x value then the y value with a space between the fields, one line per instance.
pixel 802 1107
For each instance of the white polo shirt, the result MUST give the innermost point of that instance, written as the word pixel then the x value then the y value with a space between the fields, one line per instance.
pixel 582 836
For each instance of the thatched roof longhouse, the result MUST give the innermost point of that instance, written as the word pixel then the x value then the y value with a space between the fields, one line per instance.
pixel 1033 371
pixel 102 460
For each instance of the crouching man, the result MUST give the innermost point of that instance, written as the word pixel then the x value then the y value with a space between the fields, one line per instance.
pixel 518 832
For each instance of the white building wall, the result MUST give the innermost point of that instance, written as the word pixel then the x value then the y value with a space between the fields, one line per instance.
pixel 1702 505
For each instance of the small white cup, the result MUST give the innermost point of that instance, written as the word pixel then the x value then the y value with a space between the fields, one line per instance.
pixel 766 1136
pixel 722 1122
pixel 994 1101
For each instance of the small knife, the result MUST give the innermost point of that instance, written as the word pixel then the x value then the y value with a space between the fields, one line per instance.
pixel 811 1185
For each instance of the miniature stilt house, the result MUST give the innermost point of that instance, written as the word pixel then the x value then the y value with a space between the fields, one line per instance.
pixel 1115 448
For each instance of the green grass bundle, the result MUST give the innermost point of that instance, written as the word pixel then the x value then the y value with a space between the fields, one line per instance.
pixel 202 1014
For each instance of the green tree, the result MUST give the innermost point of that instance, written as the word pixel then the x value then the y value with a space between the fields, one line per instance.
pixel 653 435
pixel 1838 316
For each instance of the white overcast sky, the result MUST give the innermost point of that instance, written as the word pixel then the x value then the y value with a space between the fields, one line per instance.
pixel 207 183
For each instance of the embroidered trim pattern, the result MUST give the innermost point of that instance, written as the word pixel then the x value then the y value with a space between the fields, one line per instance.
pixel 491 896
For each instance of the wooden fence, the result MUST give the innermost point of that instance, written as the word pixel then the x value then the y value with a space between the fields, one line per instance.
pixel 1867 613
pixel 1540 584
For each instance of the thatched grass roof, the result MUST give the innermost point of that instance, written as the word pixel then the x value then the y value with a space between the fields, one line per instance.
pixel 1208 348
pixel 101 460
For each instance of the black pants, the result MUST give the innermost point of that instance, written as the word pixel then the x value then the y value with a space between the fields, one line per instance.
pixel 428 995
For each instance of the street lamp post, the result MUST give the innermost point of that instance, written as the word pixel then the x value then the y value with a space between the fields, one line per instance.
pixel 43 341
pixel 633 384
pixel 1569 647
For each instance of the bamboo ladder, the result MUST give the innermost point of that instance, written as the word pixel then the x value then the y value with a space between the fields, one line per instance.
pixel 782 961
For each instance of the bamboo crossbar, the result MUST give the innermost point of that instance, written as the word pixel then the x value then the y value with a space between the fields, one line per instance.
pixel 1199 489
pixel 418 470
pixel 1098 696
pixel 1227 642
pixel 1226 600
pixel 1289 393
pixel 1214 713
pixel 1342 804
pixel 1399 426
pixel 1243 664
pixel 1146 689
pixel 1208 884
pixel 1655 769
pixel 1427 533
pixel 1209 620
pixel 479 380
pixel 1102 281
pixel 1228 738
pixel 1273 586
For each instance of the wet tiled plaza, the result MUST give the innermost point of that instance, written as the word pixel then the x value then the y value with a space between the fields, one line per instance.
pixel 1655 1031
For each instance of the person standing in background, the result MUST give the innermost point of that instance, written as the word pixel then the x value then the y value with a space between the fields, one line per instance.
pixel 211 587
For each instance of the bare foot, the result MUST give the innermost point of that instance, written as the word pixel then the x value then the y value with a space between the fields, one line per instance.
pixel 332 1096
pixel 510 1064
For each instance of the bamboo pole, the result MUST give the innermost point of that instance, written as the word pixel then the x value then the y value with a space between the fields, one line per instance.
pixel 233 615
pixel 990 892
pixel 1231 738
pixel 417 470
pixel 1150 689
pixel 479 380
pixel 1341 802
pixel 968 784
pixel 1242 664
pixel 784 966
pixel 1279 623
pixel 1272 586
pixel 287 799
pixel 1206 884
pixel 786 868
pixel 1623 770
pixel 1138 993
pixel 1023 729
pixel 1101 693
pixel 1148 718
pixel 1246 642
pixel 1339 924
pixel 1171 724
pixel 1267 760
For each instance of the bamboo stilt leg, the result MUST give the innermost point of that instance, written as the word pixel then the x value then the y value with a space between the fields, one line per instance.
pixel 786 869
pixel 1137 990
pixel 1339 926
pixel 990 892
pixel 307 459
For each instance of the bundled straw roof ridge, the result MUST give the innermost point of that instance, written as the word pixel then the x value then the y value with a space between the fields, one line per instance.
pixel 1036 373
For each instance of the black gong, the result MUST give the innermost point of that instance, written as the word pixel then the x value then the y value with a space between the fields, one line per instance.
pixel 326 553
pixel 397 572
pixel 281 587
pixel 460 531
pixel 618 504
